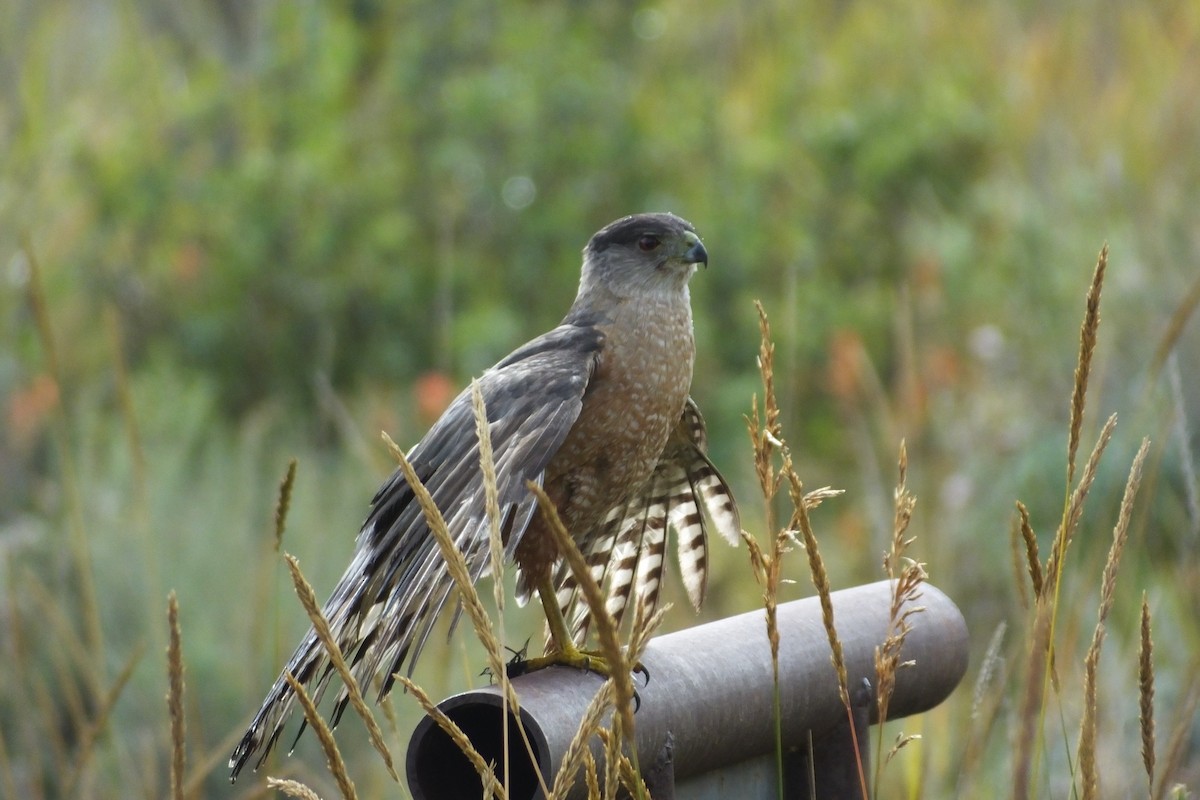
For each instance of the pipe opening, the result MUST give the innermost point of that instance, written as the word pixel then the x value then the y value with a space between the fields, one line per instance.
pixel 438 768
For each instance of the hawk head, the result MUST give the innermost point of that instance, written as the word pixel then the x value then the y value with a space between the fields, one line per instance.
pixel 642 253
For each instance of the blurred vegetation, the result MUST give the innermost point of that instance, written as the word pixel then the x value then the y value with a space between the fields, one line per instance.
pixel 265 230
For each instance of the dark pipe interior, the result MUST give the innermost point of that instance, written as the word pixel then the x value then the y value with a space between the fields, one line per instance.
pixel 437 767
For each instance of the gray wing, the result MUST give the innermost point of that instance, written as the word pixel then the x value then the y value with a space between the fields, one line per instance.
pixel 383 608
pixel 684 493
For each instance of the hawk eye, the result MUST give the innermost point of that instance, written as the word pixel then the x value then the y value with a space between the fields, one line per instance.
pixel 648 243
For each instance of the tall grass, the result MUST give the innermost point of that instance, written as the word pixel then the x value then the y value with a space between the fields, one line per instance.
pixel 73 737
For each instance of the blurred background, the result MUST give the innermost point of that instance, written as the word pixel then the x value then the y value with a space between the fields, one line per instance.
pixel 237 233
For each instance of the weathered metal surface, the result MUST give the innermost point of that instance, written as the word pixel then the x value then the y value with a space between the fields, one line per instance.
pixel 711 690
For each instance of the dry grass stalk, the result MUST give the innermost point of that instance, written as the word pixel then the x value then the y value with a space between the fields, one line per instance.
pixel 490 493
pixel 1041 656
pixel 577 751
pixel 1121 530
pixel 263 604
pixel 820 579
pixel 325 736
pixel 765 431
pixel 767 442
pixel 485 771
pixel 606 629
pixel 590 779
pixel 1031 550
pixel 175 696
pixel 1088 771
pixel 1029 713
pixel 643 628
pixel 631 779
pixel 887 655
pixel 1043 634
pixel 487 465
pixel 455 563
pixel 1146 695
pixel 768 572
pixel 1087 347
pixel 284 502
pixel 901 742
pixel 993 663
pixel 1074 510
pixel 907 577
pixel 389 710
pixel 814 498
pixel 308 599
pixel 1018 558
pixel 292 788
pixel 457 567
pixel 766 437
pixel 87 742
pixel 1088 336
pixel 903 504
pixel 611 740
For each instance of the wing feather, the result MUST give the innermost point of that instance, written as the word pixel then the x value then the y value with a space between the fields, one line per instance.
pixel 382 610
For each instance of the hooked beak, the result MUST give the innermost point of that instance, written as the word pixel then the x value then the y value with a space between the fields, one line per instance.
pixel 695 254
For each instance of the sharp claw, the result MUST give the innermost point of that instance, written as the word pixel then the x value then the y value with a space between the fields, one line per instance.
pixel 517 665
pixel 642 669
pixel 637 701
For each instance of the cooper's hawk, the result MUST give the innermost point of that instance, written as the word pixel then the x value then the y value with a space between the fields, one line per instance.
pixel 597 411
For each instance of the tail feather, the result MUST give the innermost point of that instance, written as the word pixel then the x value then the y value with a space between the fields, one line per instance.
pixel 717 499
pixel 691 541
pixel 597 553
pixel 651 554
pixel 685 494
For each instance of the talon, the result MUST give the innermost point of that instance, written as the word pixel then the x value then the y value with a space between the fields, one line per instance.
pixel 637 701
pixel 518 655
pixel 639 667
pixel 517 665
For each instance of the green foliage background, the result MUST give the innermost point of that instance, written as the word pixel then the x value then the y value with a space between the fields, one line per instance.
pixel 281 217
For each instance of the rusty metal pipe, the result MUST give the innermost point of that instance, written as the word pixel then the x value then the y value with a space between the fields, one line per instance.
pixel 711 688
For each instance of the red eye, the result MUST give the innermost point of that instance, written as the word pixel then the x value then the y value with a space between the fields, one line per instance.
pixel 648 243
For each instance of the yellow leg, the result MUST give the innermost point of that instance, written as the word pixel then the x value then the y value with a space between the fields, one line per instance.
pixel 559 632
pixel 564 650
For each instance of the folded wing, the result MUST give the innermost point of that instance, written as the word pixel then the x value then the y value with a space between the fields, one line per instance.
pixel 384 607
